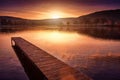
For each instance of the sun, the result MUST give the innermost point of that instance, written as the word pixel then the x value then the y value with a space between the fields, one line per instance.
pixel 55 15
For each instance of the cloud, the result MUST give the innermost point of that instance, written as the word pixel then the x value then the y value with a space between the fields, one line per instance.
pixel 82 2
pixel 43 7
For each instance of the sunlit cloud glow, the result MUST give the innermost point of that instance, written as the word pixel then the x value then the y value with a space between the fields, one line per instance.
pixel 45 9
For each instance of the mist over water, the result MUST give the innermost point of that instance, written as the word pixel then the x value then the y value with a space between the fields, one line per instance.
pixel 94 51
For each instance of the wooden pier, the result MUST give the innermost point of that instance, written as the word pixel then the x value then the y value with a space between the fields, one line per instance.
pixel 39 65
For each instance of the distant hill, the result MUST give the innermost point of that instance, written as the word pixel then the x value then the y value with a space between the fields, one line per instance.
pixel 8 20
pixel 107 17
pixel 10 17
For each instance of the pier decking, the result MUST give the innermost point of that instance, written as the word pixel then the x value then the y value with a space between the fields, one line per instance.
pixel 39 65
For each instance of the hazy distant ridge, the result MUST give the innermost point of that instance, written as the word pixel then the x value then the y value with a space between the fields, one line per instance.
pixel 107 17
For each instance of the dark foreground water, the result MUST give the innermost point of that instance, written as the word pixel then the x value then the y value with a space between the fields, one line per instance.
pixel 94 51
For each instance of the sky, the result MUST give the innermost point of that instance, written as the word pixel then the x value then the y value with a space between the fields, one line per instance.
pixel 46 9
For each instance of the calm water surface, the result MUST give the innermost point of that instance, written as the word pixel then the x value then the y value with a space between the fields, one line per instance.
pixel 96 56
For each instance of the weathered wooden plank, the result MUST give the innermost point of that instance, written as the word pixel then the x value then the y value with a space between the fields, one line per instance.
pixel 43 64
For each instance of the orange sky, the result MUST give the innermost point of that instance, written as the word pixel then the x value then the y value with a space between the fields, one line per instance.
pixel 46 9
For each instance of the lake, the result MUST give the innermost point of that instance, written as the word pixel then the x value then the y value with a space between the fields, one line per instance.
pixel 95 51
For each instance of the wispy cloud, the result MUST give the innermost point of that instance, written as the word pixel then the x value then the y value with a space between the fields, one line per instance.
pixel 42 8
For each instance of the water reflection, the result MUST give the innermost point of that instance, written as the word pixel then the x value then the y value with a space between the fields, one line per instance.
pixel 84 48
pixel 103 32
pixel 10 67
pixel 57 36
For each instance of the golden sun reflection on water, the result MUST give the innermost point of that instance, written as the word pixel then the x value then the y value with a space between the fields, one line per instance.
pixel 75 49
pixel 58 36
pixel 68 46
